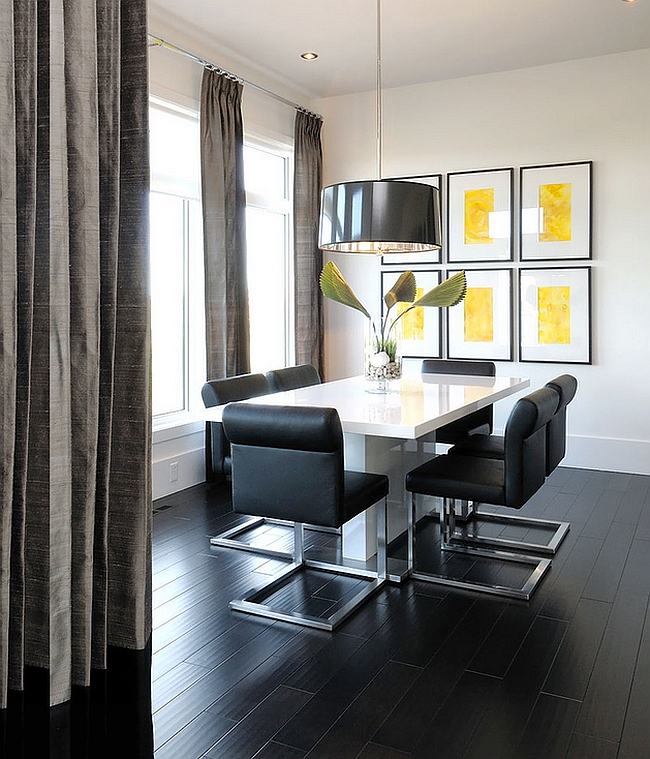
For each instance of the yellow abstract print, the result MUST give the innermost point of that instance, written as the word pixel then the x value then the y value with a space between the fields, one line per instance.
pixel 554 315
pixel 555 205
pixel 479 204
pixel 413 322
pixel 479 315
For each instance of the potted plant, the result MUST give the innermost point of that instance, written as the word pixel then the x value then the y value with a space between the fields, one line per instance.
pixel 383 362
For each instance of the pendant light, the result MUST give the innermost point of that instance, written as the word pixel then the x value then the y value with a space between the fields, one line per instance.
pixel 380 216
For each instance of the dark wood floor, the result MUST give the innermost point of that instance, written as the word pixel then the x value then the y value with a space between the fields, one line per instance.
pixel 419 671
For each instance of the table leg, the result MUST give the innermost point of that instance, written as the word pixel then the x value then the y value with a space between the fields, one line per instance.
pixel 391 456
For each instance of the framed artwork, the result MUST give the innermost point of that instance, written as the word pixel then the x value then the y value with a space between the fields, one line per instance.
pixel 555 212
pixel 555 315
pixel 479 215
pixel 420 328
pixel 480 327
pixel 411 259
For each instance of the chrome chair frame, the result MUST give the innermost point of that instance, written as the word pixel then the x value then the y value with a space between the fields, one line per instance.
pixel 447 533
pixel 565 385
pixel 253 601
pixel 526 431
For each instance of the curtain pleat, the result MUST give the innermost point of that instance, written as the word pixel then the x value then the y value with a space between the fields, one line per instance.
pixel 308 258
pixel 224 227
pixel 75 425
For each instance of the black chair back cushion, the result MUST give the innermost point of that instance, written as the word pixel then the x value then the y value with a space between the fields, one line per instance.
pixel 287 462
pixel 525 445
pixel 215 393
pixel 478 422
pixel 566 386
pixel 292 377
pixel 237 388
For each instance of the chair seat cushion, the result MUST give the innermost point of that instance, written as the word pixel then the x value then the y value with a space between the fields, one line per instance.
pixel 465 477
pixel 361 491
pixel 486 446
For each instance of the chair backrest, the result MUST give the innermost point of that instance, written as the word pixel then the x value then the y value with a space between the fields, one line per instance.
pixel 525 445
pixel 566 386
pixel 292 377
pixel 238 388
pixel 447 366
pixel 216 392
pixel 478 422
pixel 287 462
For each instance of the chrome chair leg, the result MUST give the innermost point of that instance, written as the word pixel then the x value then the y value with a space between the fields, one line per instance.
pixel 447 527
pixel 253 602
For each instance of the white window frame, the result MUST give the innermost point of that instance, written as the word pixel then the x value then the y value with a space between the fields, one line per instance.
pixel 194 311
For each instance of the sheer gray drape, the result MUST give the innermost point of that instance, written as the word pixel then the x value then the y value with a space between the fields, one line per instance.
pixel 224 226
pixel 308 258
pixel 75 409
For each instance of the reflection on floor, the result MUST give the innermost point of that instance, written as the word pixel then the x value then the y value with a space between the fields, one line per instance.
pixel 421 670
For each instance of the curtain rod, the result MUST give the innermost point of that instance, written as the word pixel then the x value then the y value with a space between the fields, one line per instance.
pixel 159 42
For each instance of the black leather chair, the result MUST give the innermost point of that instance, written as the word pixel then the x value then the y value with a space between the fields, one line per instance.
pixel 215 393
pixel 287 463
pixel 293 377
pixel 493 446
pixel 478 422
pixel 218 462
pixel 510 481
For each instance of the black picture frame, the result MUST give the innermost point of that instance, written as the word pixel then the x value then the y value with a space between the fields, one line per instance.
pixel 555 202
pixel 480 219
pixel 558 330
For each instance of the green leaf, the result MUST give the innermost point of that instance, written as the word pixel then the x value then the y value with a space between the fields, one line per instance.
pixel 447 293
pixel 337 289
pixel 403 291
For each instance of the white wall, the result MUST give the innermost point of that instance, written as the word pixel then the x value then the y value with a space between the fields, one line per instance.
pixel 595 109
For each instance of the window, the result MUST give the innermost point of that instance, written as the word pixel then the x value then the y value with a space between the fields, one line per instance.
pixel 177 297
pixel 176 262
pixel 270 268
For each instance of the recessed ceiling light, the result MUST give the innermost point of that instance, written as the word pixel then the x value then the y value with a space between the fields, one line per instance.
pixel 629 1
pixel 309 56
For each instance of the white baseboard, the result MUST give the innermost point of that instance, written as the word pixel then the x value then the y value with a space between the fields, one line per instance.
pixel 178 458
pixel 608 454
pixel 190 470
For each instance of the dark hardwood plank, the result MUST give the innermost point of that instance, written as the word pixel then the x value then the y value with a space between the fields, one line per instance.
pixel 606 574
pixel 354 728
pixel 513 701
pixel 635 740
pixel 590 747
pixel 636 575
pixel 549 729
pixel 195 738
pixel 463 624
pixel 603 708
pixel 451 730
pixel 258 728
pixel 573 665
pixel 202 694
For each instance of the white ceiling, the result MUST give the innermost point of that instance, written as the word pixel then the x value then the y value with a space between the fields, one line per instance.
pixel 422 40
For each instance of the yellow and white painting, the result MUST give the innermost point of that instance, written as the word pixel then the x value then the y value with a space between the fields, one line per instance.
pixel 554 315
pixel 479 204
pixel 555 212
pixel 479 315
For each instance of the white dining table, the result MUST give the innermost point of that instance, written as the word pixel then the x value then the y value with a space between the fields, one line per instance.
pixel 391 432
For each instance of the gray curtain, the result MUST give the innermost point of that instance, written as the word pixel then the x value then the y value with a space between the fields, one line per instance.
pixel 75 406
pixel 308 258
pixel 224 226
